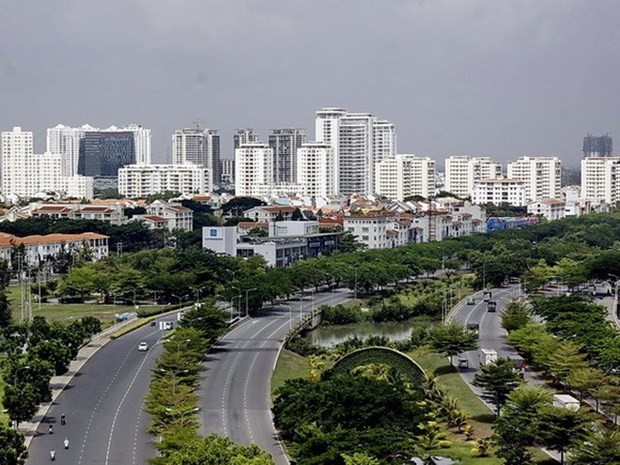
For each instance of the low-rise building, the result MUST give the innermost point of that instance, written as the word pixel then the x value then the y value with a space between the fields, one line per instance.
pixel 139 181
pixel 112 213
pixel 501 191
pixel 39 249
pixel 270 213
pixel 176 215
pixel 287 242
pixel 551 209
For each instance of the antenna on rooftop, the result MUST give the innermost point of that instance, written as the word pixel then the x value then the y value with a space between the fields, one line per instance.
pixel 198 122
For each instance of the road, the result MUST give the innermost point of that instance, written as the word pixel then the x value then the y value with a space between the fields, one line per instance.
pixel 235 392
pixel 103 407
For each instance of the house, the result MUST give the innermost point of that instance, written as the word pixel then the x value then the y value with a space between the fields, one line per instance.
pixel 176 215
pixel 551 209
pixel 270 213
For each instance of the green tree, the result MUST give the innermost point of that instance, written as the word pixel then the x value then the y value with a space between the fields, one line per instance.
pixel 609 354
pixel 5 311
pixel 515 315
pixel 360 458
pixel 21 402
pixel 206 318
pixel 586 380
pixel 561 428
pixel 452 339
pixel 566 359
pixel 215 450
pixel 54 352
pixel 348 243
pixel 598 448
pixel 12 447
pixel 497 380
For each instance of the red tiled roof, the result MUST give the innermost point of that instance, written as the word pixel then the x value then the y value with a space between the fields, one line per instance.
pixel 49 239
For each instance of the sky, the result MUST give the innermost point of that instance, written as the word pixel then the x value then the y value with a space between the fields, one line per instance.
pixel 463 77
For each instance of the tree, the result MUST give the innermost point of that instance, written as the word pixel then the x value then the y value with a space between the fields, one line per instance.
pixel 497 380
pixel 206 318
pixel 54 352
pixel 21 402
pixel 297 215
pixel 348 243
pixel 561 428
pixel 586 380
pixel 215 450
pixel 360 458
pixel 609 354
pixel 566 359
pixel 12 447
pixel 598 448
pixel 515 315
pixel 452 339
pixel 5 311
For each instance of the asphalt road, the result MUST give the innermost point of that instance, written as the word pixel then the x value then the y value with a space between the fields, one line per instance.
pixel 103 407
pixel 235 392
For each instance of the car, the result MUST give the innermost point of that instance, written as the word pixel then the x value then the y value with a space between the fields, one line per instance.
pixel 143 347
pixel 463 363
pixel 471 301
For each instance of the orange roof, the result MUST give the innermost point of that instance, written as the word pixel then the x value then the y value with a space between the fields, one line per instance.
pixel 96 208
pixel 53 208
pixel 283 209
pixel 178 208
pixel 199 198
pixel 154 218
pixel 49 239
pixel 252 224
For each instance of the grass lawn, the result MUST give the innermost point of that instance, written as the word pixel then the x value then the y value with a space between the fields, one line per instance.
pixel 68 312
pixel 290 365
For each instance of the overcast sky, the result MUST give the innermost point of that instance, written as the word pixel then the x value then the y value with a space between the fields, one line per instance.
pixel 478 77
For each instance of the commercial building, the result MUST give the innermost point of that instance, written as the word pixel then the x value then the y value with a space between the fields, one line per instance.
pixel 39 249
pixel 138 181
pixel 103 153
pixel 600 179
pixel 253 169
pixel 500 192
pixel 464 172
pixel 26 174
pixel 316 169
pixel 285 142
pixel 65 140
pixel 228 171
pixel 542 176
pixel 401 176
pixel 287 242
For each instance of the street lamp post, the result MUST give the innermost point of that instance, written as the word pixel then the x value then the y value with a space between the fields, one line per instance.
pixel 615 309
pixel 290 315
pixel 238 298
pixel 26 367
pixel 247 307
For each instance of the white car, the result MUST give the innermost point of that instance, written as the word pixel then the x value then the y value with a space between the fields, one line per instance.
pixel 143 347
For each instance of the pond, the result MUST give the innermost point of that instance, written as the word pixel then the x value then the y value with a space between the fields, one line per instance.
pixel 329 336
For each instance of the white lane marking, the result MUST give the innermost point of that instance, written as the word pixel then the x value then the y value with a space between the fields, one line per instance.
pixel 118 409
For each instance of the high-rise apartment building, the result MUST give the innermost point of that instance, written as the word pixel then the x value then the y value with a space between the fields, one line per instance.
pixel 463 173
pixel 404 175
pixel 542 176
pixel 284 143
pixel 25 173
pixel 601 146
pixel 359 140
pixel 253 169
pixel 244 136
pixel 315 169
pixel 103 153
pixel 600 179
pixel 228 171
pixel 197 147
pixel 66 141
pixel 136 181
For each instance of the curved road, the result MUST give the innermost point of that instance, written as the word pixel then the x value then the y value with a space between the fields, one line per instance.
pixel 235 391
pixel 103 407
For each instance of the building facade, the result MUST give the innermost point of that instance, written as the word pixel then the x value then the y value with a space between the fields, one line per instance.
pixel 500 192
pixel 138 181
pixel 601 146
pixel 253 169
pixel 402 176
pixel 600 179
pixel 464 172
pixel 228 171
pixel 542 176
pixel 285 142
pixel 551 209
pixel 103 153
pixel 26 174
pixel 315 169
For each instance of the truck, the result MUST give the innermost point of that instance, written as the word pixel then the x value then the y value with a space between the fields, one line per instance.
pixel 565 401
pixel 492 306
pixel 487 356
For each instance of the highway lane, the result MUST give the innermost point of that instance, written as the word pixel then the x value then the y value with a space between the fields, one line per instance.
pixel 103 407
pixel 235 392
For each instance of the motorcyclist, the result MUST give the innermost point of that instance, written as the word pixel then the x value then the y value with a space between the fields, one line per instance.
pixel 52 455
pixel 51 429
pixel 63 420
pixel 66 442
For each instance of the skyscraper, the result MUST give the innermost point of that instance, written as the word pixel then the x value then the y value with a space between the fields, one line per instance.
pixel 597 146
pixel 315 169
pixel 244 136
pixel 65 140
pixel 103 153
pixel 285 143
pixel 253 169
pixel 464 172
pixel 542 176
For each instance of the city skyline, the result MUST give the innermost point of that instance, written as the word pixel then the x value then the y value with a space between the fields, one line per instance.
pixel 478 78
